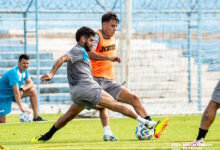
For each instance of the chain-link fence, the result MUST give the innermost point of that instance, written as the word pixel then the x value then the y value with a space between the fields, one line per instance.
pixel 174 54
pixel 169 48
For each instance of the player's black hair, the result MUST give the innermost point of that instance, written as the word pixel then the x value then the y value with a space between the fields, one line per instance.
pixel 84 31
pixel 109 16
pixel 23 56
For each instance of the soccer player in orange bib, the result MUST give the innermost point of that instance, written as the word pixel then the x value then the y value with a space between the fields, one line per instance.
pixel 102 58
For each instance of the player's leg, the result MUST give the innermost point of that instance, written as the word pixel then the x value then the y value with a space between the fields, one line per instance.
pixel 73 111
pixel 5 108
pixel 103 112
pixel 210 111
pixel 3 119
pixel 108 102
pixel 128 97
pixel 32 93
pixel 208 117
pixel 104 116
pixel 118 92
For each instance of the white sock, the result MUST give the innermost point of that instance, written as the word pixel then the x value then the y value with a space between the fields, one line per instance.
pixel 107 130
pixel 142 120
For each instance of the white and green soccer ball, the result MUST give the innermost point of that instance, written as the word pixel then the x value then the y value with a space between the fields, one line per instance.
pixel 144 133
pixel 25 117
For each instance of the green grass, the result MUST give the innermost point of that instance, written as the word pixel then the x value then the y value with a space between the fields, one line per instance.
pixel 88 134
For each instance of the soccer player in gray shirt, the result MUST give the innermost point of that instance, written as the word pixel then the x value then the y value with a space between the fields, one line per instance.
pixel 85 91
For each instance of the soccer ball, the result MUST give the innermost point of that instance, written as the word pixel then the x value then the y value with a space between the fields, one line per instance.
pixel 25 117
pixel 144 133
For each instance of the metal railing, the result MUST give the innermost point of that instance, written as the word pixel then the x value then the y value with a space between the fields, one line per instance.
pixel 144 14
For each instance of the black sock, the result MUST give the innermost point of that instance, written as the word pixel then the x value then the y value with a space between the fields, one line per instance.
pixel 148 118
pixel 49 134
pixel 202 134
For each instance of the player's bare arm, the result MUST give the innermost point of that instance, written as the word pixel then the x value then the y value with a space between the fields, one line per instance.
pixel 95 56
pixel 29 85
pixel 55 67
pixel 17 97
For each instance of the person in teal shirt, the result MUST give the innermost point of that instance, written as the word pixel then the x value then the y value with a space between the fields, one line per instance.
pixel 11 89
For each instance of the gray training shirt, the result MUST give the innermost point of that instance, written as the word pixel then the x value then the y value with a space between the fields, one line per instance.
pixel 79 69
pixel 84 90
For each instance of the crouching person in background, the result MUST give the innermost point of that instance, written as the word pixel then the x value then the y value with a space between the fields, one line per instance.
pixel 11 89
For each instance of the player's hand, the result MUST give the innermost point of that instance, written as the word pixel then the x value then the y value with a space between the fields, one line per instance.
pixel 115 58
pixel 21 93
pixel 26 111
pixel 46 77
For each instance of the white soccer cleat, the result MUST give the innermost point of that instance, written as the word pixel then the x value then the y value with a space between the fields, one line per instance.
pixel 196 143
pixel 150 124
pixel 110 137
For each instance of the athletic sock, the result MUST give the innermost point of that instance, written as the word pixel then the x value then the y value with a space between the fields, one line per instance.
pixel 142 120
pixel 107 130
pixel 148 118
pixel 49 134
pixel 202 134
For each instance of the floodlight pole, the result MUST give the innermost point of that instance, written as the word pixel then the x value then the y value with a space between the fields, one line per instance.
pixel 25 32
pixel 25 26
pixel 37 52
pixel 199 58
pixel 121 43
pixel 128 37
pixel 189 56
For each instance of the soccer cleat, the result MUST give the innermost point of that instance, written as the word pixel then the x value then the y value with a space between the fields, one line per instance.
pixel 1 147
pixel 39 118
pixel 160 127
pixel 41 138
pixel 109 137
pixel 196 143
pixel 150 124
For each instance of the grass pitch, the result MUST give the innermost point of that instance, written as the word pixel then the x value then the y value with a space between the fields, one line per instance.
pixel 88 134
